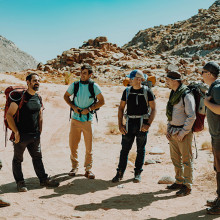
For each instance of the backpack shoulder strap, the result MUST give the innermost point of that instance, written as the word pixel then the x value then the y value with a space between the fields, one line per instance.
pixel 128 91
pixel 76 89
pixel 91 89
pixel 145 92
pixel 183 96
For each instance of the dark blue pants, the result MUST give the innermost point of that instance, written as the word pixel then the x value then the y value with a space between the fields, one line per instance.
pixel 32 143
pixel 127 142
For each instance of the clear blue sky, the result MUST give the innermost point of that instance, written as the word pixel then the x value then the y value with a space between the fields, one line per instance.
pixel 45 28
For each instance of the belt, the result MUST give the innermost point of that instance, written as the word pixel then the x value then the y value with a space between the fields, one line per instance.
pixel 177 126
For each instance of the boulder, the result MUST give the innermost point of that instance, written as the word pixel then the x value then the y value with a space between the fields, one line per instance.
pixel 156 150
pixel 166 180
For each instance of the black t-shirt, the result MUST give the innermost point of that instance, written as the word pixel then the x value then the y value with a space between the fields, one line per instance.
pixel 29 114
pixel 134 106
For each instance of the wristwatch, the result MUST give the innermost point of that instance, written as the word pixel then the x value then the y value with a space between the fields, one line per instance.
pixel 89 109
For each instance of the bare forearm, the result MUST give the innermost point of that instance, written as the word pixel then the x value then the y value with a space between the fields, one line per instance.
pixel 213 107
pixel 120 117
pixel 152 116
pixel 68 101
pixel 98 104
pixel 11 123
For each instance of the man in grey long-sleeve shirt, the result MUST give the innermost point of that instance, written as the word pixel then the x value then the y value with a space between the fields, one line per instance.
pixel 181 116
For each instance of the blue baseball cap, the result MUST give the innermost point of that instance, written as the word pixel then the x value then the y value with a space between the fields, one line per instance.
pixel 135 73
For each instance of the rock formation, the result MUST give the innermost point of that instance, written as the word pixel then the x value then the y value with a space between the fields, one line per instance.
pixel 12 58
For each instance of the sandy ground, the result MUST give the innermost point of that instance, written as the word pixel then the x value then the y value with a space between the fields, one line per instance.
pixel 78 197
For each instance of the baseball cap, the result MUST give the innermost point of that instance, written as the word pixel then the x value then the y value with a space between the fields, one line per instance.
pixel 135 73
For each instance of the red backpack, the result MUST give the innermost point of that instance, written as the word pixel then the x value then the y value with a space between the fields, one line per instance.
pixel 14 94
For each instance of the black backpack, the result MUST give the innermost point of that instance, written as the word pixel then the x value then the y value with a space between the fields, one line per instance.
pixel 92 92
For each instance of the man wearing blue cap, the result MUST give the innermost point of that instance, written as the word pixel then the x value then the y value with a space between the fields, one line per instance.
pixel 141 110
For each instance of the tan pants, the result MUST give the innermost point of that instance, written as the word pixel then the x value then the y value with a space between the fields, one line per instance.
pixel 182 158
pixel 78 127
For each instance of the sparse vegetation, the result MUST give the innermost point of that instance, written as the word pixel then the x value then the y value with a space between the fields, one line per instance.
pixel 68 76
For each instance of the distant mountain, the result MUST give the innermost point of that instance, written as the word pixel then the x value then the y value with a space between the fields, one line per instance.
pixel 13 59
pixel 198 35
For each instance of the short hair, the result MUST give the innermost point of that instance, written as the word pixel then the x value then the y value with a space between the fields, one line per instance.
pixel 29 77
pixel 87 67
pixel 213 68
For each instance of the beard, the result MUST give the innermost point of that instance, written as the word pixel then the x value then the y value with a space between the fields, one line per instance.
pixel 36 87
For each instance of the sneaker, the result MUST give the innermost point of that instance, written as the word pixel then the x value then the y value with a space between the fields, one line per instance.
pixel 73 172
pixel 137 178
pixel 118 177
pixel 21 186
pixel 50 183
pixel 4 203
pixel 212 203
pixel 184 191
pixel 215 210
pixel 89 175
pixel 174 186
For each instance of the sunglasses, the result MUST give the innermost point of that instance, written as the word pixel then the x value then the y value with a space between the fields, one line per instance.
pixel 204 71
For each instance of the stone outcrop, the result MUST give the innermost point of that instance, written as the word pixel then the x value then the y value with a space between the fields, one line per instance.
pixel 184 46
pixel 196 36
pixel 12 58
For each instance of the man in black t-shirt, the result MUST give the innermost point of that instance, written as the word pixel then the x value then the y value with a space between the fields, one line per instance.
pixel 141 110
pixel 27 127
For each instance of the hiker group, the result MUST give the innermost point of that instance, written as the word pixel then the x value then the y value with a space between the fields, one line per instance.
pixel 185 111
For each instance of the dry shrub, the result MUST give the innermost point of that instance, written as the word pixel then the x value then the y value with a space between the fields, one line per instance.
pixel 67 79
pixel 162 128
pixel 206 146
pixel 113 129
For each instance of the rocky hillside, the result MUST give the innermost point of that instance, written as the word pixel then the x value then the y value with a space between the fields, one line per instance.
pixel 198 35
pixel 12 58
pixel 185 46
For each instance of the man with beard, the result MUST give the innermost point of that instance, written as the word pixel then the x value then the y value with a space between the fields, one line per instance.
pixel 27 127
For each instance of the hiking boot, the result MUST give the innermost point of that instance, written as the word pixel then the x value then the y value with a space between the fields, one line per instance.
pixel 212 203
pixel 89 175
pixel 118 177
pixel 137 178
pixel 73 172
pixel 215 210
pixel 4 203
pixel 184 191
pixel 174 186
pixel 21 186
pixel 50 183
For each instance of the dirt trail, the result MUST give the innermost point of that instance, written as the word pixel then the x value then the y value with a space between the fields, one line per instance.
pixel 100 199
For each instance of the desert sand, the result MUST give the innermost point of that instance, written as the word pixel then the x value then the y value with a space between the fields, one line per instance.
pixel 80 198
